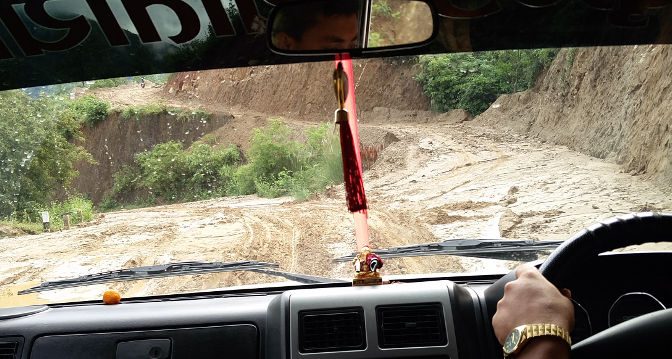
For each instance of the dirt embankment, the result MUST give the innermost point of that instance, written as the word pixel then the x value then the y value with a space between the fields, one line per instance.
pixel 243 99
pixel 613 103
pixel 302 90
pixel 115 141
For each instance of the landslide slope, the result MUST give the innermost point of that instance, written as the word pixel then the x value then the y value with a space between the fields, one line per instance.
pixel 302 90
pixel 613 103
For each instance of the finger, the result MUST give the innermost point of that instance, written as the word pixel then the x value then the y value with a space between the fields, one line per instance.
pixel 523 268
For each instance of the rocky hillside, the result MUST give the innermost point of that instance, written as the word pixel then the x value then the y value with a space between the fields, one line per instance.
pixel 612 102
pixel 302 90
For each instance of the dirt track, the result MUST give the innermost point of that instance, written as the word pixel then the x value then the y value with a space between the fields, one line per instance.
pixel 438 182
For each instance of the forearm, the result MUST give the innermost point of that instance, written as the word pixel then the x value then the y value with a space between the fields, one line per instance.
pixel 545 348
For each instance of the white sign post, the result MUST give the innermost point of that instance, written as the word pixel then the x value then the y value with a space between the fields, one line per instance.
pixel 45 220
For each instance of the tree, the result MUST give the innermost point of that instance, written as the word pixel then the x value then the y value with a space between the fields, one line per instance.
pixel 474 81
pixel 37 152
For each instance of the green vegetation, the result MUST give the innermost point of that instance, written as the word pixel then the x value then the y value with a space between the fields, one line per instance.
pixel 381 8
pixel 569 63
pixel 375 39
pixel 91 109
pixel 78 208
pixel 108 83
pixel 472 81
pixel 21 227
pixel 159 79
pixel 382 16
pixel 144 110
pixel 276 165
pixel 154 109
pixel 38 153
pixel 170 173
pixel 279 165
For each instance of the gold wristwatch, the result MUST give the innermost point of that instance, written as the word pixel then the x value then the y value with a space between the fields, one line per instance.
pixel 519 336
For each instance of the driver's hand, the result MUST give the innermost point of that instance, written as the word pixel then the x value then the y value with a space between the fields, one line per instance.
pixel 532 299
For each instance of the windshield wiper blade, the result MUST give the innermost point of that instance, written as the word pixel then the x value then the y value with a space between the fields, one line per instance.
pixel 171 270
pixel 297 277
pixel 513 250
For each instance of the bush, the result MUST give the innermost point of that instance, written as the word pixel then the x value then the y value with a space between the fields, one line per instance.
pixel 272 188
pixel 474 81
pixel 272 151
pixel 383 9
pixel 281 166
pixel 108 83
pixel 143 111
pixel 79 208
pixel 171 173
pixel 210 169
pixel 91 109
pixel 277 165
pixel 243 181
pixel 163 170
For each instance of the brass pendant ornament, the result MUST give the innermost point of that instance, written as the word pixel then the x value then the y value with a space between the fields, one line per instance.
pixel 367 268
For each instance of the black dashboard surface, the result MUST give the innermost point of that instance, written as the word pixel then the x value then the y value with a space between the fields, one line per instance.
pixel 264 324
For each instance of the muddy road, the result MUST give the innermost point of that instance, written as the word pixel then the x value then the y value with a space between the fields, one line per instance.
pixel 436 182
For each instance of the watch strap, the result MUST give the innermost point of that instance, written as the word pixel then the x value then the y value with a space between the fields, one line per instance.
pixel 539 330
pixel 529 331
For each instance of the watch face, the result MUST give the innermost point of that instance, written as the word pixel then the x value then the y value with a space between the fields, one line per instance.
pixel 511 341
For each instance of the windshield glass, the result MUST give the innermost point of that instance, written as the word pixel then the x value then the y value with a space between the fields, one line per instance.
pixel 245 165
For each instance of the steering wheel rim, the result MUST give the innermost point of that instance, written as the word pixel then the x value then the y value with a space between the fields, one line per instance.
pixel 607 235
pixel 610 234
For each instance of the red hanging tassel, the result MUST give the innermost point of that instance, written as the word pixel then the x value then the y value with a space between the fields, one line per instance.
pixel 346 118
pixel 352 173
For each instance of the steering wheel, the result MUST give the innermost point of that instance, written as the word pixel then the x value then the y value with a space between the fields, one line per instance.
pixel 638 337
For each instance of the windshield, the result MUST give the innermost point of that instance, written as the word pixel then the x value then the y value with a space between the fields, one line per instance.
pixel 245 165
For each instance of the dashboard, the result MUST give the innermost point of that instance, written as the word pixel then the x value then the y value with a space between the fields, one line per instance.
pixel 619 287
pixel 431 319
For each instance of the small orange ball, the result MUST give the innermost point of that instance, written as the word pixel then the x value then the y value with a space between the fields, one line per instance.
pixel 111 297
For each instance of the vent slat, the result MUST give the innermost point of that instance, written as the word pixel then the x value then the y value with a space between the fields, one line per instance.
pixel 411 325
pixel 333 330
pixel 8 349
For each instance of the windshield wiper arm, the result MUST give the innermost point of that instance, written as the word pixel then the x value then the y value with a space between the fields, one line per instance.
pixel 171 270
pixel 481 248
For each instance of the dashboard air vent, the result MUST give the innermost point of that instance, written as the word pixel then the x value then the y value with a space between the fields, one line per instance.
pixel 9 348
pixel 415 325
pixel 331 330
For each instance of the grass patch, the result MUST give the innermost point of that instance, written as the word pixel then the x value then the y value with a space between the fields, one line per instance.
pixel 144 111
pixel 16 228
pixel 156 109
pixel 79 209
pixel 109 83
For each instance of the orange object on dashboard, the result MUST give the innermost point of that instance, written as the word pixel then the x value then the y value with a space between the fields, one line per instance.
pixel 111 297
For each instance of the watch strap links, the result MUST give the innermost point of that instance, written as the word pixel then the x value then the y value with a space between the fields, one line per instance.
pixel 538 330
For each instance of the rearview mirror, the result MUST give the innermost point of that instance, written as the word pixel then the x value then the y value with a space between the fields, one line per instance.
pixel 335 26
